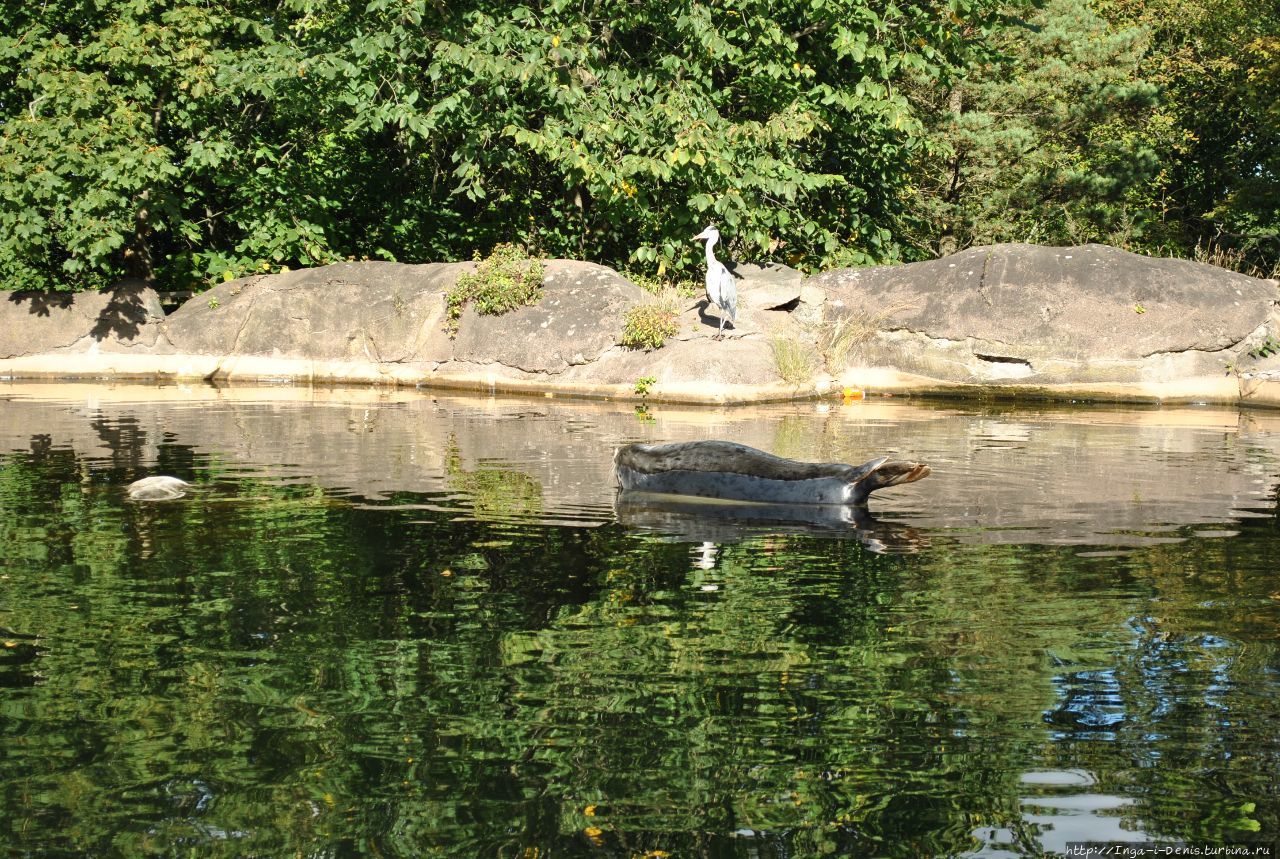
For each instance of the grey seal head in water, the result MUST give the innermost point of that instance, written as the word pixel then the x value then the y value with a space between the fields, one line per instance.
pixel 158 488
pixel 730 471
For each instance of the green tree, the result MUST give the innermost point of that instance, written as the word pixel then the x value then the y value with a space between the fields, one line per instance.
pixel 187 143
pixel 138 141
pixel 1046 142
pixel 1217 63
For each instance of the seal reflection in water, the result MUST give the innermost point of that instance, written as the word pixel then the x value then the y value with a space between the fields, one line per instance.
pixel 159 488
pixel 734 472
pixel 714 522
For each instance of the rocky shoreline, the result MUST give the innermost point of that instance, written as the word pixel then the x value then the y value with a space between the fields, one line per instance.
pixel 1009 321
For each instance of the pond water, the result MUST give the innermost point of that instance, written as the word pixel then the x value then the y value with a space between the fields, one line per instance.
pixel 393 623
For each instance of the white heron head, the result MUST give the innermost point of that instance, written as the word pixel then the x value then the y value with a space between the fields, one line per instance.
pixel 710 234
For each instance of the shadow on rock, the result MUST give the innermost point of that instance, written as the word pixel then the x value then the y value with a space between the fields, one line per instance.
pixel 126 312
pixel 43 303
pixel 118 312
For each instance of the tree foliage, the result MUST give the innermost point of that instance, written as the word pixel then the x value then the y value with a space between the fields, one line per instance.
pixel 1217 63
pixel 188 143
pixel 1044 143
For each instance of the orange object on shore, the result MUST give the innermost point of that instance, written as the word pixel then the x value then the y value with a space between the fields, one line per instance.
pixel 853 394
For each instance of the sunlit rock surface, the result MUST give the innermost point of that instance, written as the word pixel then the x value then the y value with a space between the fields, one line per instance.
pixel 1089 319
pixel 1089 322
pixel 375 313
pixel 120 320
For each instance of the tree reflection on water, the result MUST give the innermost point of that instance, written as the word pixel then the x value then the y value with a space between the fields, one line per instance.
pixel 275 664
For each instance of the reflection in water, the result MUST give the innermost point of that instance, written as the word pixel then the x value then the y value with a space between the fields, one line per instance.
pixel 1095 477
pixel 406 625
pixel 705 556
pixel 700 519
pixel 1061 811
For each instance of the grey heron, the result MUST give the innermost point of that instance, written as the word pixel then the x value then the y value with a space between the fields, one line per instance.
pixel 722 286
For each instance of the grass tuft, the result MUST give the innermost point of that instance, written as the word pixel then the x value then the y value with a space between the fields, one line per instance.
pixel 793 360
pixel 837 340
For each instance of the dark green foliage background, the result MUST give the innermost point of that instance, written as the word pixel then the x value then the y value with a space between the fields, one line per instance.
pixel 191 143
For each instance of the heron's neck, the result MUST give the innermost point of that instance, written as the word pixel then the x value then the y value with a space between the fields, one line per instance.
pixel 711 243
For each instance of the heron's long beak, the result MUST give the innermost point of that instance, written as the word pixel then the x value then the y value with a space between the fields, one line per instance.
pixel 701 237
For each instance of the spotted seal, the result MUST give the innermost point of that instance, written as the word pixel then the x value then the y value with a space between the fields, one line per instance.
pixel 730 471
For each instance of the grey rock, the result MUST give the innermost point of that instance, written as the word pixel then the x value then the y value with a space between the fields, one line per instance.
pixel 579 317
pixel 1027 315
pixel 771 286
pixel 121 318
pixel 376 312
pixel 1091 322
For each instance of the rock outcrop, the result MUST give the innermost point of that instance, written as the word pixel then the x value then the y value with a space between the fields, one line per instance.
pixel 354 313
pixel 1016 320
pixel 1091 321
pixel 121 320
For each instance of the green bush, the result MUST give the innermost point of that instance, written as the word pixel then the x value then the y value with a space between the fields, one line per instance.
pixel 647 326
pixel 506 279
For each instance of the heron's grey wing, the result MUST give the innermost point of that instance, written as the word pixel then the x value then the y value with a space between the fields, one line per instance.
pixel 729 296
pixel 717 277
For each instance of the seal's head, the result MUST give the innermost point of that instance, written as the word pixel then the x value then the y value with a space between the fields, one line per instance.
pixel 158 488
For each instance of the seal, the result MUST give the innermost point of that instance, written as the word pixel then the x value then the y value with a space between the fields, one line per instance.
pixel 734 472
pixel 158 488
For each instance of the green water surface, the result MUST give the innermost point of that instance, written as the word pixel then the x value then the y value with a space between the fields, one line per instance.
pixel 492 664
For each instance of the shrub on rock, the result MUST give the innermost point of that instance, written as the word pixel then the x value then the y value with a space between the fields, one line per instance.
pixel 506 279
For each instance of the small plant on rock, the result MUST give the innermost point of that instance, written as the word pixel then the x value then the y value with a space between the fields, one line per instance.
pixel 647 326
pixel 505 280
pixel 1265 349
pixel 793 360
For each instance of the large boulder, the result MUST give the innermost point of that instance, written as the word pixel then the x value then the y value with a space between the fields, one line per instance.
pixel 383 316
pixel 568 342
pixel 365 312
pixel 579 317
pixel 1081 322
pixel 1088 318
pixel 771 286
pixel 123 318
